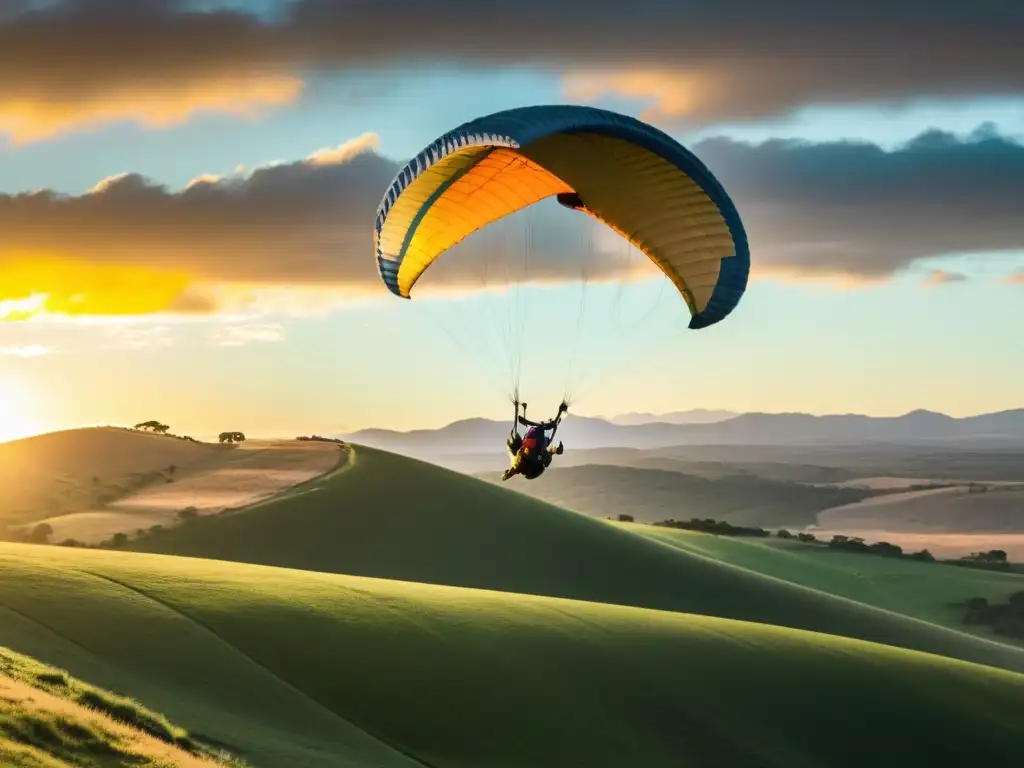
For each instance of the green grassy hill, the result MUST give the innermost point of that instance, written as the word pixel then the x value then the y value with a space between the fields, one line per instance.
pixel 653 494
pixel 48 719
pixel 391 517
pixel 314 669
pixel 928 591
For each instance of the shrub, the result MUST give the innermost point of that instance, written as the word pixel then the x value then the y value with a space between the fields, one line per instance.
pixel 782 533
pixel 188 513
pixel 976 603
pixel 626 518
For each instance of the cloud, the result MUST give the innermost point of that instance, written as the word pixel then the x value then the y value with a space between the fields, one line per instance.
pixel 130 246
pixel 240 335
pixel 855 210
pixel 299 234
pixel 1014 278
pixel 942 277
pixel 79 62
pixel 29 350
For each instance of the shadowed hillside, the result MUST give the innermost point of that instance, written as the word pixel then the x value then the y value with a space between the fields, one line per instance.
pixel 392 517
pixel 650 495
pixel 300 668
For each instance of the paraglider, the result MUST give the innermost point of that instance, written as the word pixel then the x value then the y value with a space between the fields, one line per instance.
pixel 531 454
pixel 634 178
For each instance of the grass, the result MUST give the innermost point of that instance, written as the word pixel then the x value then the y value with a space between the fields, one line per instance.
pixel 651 494
pixel 48 719
pixel 317 669
pixel 391 517
pixel 928 591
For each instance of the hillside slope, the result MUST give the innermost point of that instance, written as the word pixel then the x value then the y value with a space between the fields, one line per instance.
pixel 929 591
pixel 456 678
pixel 391 517
pixel 48 719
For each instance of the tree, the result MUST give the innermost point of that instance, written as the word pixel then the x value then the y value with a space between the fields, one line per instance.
pixel 188 513
pixel 626 518
pixel 782 533
pixel 992 556
pixel 231 437
pixel 119 540
pixel 161 429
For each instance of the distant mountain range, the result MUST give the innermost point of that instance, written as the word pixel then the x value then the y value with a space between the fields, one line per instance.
pixel 483 436
pixel 696 416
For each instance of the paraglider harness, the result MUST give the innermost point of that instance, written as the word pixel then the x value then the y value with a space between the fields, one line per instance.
pixel 532 454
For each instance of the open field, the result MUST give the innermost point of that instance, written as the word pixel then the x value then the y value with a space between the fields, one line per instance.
pixel 957 509
pixel 314 669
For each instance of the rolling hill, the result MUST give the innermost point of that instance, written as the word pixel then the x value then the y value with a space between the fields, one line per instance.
pixel 650 495
pixel 928 591
pixel 70 470
pixel 392 517
pixel 88 484
pixel 312 669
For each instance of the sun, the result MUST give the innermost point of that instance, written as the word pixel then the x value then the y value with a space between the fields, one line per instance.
pixel 15 411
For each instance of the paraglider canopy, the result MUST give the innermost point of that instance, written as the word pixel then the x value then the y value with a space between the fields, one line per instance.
pixel 629 175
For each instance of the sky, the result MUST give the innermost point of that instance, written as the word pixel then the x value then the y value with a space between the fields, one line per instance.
pixel 188 190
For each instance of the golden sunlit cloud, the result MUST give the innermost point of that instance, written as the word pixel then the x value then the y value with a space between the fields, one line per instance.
pixel 157 106
pixel 1015 278
pixel 942 277
pixel 345 151
pixel 68 286
pixel 674 94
